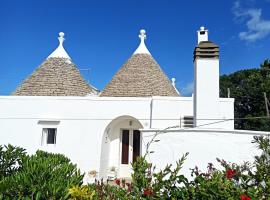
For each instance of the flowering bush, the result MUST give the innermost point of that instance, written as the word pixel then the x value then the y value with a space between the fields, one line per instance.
pixel 248 181
pixel 243 182
pixel 230 173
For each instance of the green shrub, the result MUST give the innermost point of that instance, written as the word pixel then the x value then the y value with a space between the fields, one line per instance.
pixel 11 159
pixel 52 176
pixel 81 193
pixel 40 176
pixel 244 182
pixel 214 184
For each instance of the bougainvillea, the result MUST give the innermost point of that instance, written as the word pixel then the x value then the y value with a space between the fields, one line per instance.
pixel 230 173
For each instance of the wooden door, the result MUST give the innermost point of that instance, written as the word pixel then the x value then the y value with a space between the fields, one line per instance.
pixel 125 147
pixel 131 146
pixel 136 145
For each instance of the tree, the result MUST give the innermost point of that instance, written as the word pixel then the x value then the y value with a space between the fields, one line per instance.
pixel 265 65
pixel 247 87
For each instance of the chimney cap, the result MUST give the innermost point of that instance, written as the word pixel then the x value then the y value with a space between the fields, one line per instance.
pixel 202 34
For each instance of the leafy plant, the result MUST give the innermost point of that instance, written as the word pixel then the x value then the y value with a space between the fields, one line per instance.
pixel 41 176
pixel 11 159
pixel 170 184
pixel 81 193
pixel 214 184
pixel 110 192
pixel 52 176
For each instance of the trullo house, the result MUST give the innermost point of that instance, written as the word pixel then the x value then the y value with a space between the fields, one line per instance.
pixel 56 110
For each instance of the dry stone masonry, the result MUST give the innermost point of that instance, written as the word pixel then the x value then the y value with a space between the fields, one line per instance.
pixel 55 77
pixel 140 76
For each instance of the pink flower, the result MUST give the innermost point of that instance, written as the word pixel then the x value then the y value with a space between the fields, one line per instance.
pixel 230 173
pixel 245 197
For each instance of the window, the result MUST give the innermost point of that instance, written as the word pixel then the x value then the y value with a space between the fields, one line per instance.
pixel 49 135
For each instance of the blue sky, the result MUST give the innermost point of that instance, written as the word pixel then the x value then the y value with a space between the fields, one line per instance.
pixel 102 35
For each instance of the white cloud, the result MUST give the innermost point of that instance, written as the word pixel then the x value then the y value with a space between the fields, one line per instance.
pixel 257 28
pixel 187 90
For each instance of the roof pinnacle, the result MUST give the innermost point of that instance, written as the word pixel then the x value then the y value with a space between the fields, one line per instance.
pixel 61 38
pixel 142 48
pixel 60 52
pixel 142 35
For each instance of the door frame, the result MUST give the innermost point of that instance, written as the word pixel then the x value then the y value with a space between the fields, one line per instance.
pixel 130 149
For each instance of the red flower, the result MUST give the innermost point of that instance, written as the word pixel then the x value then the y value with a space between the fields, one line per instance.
pixel 245 197
pixel 148 192
pixel 117 181
pixel 230 173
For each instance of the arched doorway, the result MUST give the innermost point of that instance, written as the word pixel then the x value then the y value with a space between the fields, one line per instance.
pixel 121 145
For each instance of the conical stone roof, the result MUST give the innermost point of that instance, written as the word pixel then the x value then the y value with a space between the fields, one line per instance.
pixel 140 76
pixel 56 76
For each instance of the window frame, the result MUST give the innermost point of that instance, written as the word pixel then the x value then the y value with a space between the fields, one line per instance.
pixel 45 126
pixel 45 136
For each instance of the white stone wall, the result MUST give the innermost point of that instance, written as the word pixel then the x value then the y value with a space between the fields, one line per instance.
pixel 81 123
pixel 203 148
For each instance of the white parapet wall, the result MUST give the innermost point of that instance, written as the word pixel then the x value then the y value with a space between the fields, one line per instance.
pixel 203 146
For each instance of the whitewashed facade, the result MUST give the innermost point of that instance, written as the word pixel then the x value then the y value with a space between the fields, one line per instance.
pixel 90 129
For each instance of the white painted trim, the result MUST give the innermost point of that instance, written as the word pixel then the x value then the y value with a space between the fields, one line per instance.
pixel 243 132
